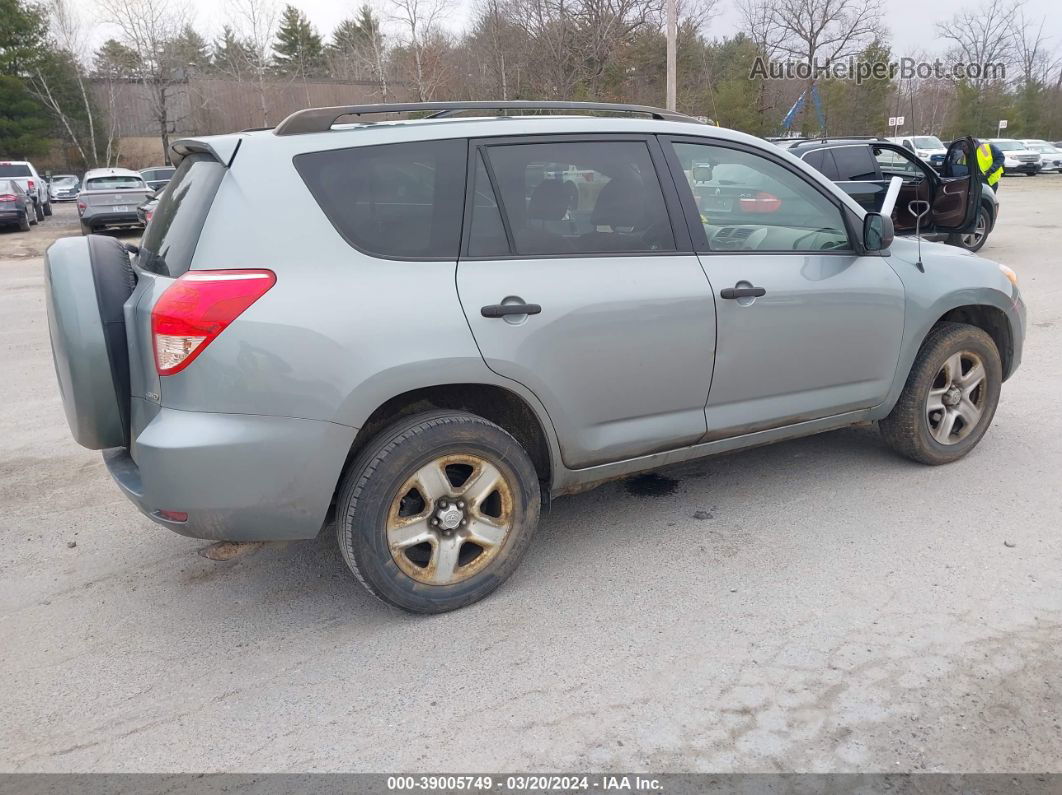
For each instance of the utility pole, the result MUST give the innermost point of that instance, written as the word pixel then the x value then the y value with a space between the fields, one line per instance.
pixel 672 53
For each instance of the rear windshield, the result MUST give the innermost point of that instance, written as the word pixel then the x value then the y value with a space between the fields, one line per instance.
pixel 15 170
pixel 171 237
pixel 157 173
pixel 7 186
pixel 115 182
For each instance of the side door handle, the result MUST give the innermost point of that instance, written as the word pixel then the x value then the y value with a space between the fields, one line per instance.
pixel 501 310
pixel 742 292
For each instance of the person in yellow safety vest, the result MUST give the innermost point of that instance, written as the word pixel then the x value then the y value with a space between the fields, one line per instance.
pixel 990 161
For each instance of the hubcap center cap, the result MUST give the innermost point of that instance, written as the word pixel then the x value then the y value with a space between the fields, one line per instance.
pixel 952 396
pixel 449 517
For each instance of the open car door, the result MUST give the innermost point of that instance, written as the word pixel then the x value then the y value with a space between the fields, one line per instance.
pixel 957 199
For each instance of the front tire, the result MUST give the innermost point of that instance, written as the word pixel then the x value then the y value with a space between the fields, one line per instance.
pixel 950 396
pixel 437 511
pixel 975 240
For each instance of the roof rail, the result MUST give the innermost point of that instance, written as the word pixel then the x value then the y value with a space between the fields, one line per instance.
pixel 313 120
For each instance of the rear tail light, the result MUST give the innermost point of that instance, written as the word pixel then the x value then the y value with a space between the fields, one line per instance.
pixel 148 214
pixel 81 207
pixel 8 197
pixel 29 182
pixel 196 308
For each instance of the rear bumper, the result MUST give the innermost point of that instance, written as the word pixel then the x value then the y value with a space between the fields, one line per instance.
pixel 97 220
pixel 238 477
pixel 12 216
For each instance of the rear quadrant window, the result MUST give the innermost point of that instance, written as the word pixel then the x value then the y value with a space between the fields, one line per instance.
pixel 401 201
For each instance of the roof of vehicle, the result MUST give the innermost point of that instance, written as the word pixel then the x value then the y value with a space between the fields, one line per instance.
pixel 15 163
pixel 110 172
pixel 822 143
pixel 158 168
pixel 64 176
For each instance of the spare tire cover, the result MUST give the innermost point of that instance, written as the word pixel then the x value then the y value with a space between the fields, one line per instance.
pixel 87 282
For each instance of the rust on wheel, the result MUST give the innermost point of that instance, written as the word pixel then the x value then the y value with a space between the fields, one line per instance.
pixel 450 519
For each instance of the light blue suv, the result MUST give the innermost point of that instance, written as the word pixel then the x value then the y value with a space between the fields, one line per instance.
pixel 420 331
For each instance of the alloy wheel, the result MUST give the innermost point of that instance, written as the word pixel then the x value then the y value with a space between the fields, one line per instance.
pixel 956 401
pixel 450 519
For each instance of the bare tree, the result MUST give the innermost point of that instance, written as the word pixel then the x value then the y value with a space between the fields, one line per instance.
pixel 424 38
pixel 820 32
pixel 982 36
pixel 1030 48
pixel 69 54
pixel 255 21
pixel 149 28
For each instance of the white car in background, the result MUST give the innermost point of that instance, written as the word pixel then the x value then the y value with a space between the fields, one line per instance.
pixel 927 147
pixel 1050 155
pixel 1018 158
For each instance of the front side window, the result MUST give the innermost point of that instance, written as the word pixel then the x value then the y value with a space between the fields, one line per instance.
pixel 893 164
pixel 402 201
pixel 581 197
pixel 751 203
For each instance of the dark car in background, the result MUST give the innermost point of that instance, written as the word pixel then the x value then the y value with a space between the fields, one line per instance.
pixel 16 207
pixel 960 212
pixel 157 177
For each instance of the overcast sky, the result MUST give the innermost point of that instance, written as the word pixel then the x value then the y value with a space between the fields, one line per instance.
pixel 910 21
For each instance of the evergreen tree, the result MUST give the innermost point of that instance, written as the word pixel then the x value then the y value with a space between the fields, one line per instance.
pixel 114 59
pixel 190 50
pixel 24 121
pixel 298 50
pixel 231 57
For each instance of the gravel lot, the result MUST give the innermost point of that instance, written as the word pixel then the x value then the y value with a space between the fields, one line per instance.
pixel 838 609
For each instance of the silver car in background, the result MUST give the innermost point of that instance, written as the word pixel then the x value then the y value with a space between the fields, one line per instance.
pixel 450 321
pixel 109 198
pixel 64 187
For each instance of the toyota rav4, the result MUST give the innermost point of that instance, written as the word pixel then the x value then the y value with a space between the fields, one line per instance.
pixel 448 321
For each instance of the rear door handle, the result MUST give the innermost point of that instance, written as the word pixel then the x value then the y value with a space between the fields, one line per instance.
pixel 501 310
pixel 742 292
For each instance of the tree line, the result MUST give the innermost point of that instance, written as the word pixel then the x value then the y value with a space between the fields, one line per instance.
pixel 56 86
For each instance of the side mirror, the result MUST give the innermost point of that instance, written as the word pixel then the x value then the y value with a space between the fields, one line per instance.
pixel 878 232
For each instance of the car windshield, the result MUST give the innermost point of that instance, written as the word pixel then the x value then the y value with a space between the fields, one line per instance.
pixel 115 182
pixel 64 180
pixel 1009 146
pixel 15 170
pixel 928 142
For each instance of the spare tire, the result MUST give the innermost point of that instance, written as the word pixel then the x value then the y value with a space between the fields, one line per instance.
pixel 87 282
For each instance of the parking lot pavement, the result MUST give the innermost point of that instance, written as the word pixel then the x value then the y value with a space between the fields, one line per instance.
pixel 815 605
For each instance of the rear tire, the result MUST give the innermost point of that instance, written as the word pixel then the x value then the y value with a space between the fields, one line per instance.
pixel 38 211
pixel 437 511
pixel 944 409
pixel 86 229
pixel 24 224
pixel 48 208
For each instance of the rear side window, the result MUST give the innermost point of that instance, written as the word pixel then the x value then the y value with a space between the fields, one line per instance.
pixel 855 163
pixel 400 201
pixel 15 170
pixel 581 197
pixel 171 237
